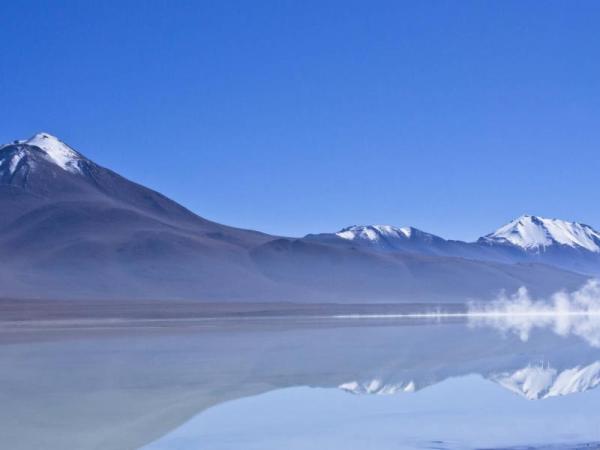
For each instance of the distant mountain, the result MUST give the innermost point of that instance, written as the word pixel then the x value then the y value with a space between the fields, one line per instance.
pixel 71 228
pixel 384 237
pixel 569 245
pixel 536 234
pixel 527 239
pixel 388 238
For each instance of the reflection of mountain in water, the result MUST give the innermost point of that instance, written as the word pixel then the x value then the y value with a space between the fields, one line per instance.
pixel 565 315
pixel 538 382
pixel 534 382
pixel 125 391
pixel 378 387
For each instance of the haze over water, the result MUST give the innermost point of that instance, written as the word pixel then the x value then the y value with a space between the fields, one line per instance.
pixel 299 383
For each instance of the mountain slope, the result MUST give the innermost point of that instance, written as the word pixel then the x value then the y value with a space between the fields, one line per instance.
pixel 70 228
pixel 568 245
pixel 532 233
pixel 330 272
pixel 528 239
pixel 383 238
pixel 73 228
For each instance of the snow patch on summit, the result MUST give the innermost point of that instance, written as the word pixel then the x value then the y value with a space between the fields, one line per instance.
pixel 56 151
pixel 373 233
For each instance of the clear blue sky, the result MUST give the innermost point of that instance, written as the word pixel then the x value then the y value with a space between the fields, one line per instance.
pixel 304 116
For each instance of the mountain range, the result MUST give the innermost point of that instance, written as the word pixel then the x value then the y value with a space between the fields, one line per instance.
pixel 568 245
pixel 71 228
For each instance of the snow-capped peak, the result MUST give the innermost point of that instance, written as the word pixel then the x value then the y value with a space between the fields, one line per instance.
pixel 535 233
pixel 374 233
pixel 46 146
pixel 56 151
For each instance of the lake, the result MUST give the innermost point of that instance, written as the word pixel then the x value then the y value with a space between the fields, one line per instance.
pixel 337 382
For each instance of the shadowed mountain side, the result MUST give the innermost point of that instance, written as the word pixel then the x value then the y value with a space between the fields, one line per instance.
pixel 357 275
pixel 37 182
pixel 422 243
pixel 97 250
pixel 528 239
pixel 71 229
pixel 76 229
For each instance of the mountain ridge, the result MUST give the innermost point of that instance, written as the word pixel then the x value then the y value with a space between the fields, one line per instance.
pixel 71 228
pixel 570 245
pixel 536 233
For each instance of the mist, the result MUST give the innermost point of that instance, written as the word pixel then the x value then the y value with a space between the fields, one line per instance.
pixel 574 313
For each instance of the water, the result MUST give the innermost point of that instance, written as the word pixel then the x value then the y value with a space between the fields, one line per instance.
pixel 336 383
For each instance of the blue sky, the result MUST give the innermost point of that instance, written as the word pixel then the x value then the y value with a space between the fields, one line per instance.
pixel 304 116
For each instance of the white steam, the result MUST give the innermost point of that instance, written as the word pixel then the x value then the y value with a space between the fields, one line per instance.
pixel 576 313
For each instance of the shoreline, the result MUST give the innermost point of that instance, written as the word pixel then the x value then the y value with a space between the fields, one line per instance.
pixel 54 311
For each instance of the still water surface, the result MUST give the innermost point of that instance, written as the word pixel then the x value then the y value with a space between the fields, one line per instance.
pixel 301 384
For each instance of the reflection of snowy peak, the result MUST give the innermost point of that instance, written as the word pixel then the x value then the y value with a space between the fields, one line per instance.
pixel 378 387
pixel 533 382
pixel 535 233
pixel 538 382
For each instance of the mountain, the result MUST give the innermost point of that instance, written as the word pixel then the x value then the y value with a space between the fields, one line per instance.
pixel 331 273
pixel 536 234
pixel 388 238
pixel 383 238
pixel 527 239
pixel 569 245
pixel 71 228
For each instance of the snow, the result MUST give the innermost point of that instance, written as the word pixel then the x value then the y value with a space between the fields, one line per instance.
pixel 377 387
pixel 50 148
pixel 15 160
pixel 539 382
pixel 374 233
pixel 56 151
pixel 534 233
pixel 407 231
pixel 11 160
